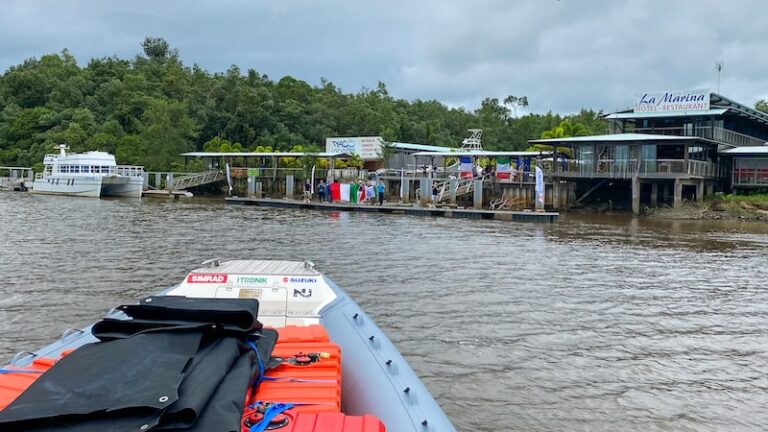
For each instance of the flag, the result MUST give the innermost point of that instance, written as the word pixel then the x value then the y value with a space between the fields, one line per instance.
pixel 502 168
pixel 312 181
pixel 467 169
pixel 229 179
pixel 540 185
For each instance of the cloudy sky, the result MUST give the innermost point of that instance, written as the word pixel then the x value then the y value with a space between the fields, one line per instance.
pixel 563 55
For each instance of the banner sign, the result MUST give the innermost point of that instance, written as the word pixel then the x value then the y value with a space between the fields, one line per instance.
pixel 502 168
pixel 368 148
pixel 673 101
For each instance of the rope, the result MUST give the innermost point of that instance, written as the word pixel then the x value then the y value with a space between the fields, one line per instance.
pixel 271 412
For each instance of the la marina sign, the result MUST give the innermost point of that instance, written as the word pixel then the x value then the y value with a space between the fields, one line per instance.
pixel 673 101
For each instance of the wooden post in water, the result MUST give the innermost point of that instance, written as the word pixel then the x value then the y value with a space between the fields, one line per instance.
pixel 477 198
pixel 289 186
pixel 258 189
pixel 406 185
pixel 678 200
pixel 452 186
pixel 654 194
pixel 555 193
pixel 635 195
pixel 425 191
pixel 251 185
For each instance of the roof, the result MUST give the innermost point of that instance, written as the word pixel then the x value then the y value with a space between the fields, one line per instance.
pixel 262 267
pixel 762 150
pixel 718 105
pixel 717 100
pixel 262 154
pixel 634 115
pixel 419 147
pixel 483 153
pixel 615 138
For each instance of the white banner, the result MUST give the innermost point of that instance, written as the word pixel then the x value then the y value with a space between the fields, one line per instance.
pixel 312 182
pixel 368 148
pixel 229 179
pixel 540 185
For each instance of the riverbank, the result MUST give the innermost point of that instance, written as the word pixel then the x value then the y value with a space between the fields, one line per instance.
pixel 718 207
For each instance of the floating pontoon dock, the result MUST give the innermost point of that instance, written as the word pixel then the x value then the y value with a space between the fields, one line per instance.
pixel 516 216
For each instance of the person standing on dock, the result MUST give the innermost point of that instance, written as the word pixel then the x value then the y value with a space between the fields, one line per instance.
pixel 380 190
pixel 321 190
pixel 307 191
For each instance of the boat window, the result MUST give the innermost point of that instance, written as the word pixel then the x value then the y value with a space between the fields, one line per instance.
pixel 84 168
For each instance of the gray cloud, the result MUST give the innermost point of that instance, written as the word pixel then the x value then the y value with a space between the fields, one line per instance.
pixel 564 55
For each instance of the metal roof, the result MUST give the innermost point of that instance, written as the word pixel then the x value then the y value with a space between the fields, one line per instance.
pixel 262 154
pixel 483 153
pixel 717 100
pixel 615 138
pixel 747 150
pixel 634 115
pixel 419 147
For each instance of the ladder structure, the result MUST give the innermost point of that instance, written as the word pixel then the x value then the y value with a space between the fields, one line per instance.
pixel 197 179
pixel 474 142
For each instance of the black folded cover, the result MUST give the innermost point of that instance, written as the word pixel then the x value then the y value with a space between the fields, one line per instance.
pixel 178 364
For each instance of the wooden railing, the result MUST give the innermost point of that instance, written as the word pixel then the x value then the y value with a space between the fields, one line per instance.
pixel 628 168
pixel 718 134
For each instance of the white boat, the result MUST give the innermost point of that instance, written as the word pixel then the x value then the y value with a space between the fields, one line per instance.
pixel 93 174
pixel 293 298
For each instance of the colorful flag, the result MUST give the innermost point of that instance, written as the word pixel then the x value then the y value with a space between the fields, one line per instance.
pixel 502 168
pixel 344 192
pixel 466 167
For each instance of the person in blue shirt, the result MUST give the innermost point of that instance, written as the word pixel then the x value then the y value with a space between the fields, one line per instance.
pixel 380 191
pixel 321 191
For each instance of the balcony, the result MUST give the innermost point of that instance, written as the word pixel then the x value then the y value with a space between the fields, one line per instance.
pixel 629 168
pixel 717 134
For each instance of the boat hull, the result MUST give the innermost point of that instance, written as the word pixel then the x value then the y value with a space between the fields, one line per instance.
pixel 90 186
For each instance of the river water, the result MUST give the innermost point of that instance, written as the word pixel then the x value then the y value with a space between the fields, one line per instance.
pixel 592 323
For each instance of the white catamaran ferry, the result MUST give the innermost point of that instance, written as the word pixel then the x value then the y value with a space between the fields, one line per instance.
pixel 92 174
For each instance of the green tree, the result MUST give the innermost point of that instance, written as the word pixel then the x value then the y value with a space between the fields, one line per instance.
pixel 167 131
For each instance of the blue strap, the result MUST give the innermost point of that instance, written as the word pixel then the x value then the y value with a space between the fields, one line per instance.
pixel 9 371
pixel 271 412
pixel 261 364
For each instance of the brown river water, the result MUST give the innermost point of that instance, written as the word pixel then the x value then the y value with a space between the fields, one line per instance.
pixel 593 323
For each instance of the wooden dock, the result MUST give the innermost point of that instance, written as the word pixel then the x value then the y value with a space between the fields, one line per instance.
pixel 516 216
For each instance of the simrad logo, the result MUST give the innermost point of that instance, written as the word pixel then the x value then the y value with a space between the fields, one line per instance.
pixel 206 278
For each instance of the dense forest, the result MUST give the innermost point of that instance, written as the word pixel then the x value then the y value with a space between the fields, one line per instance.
pixel 150 109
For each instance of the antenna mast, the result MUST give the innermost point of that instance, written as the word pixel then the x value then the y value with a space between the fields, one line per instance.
pixel 718 68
